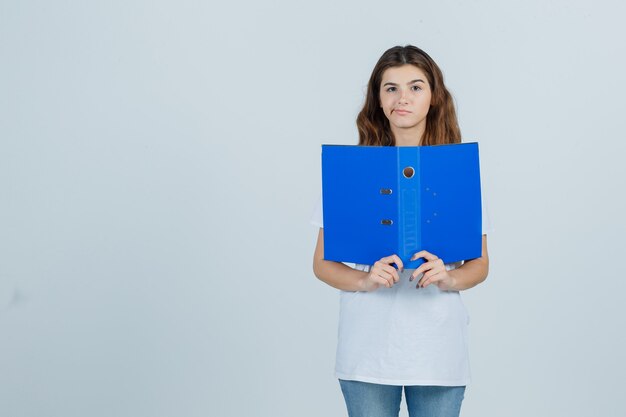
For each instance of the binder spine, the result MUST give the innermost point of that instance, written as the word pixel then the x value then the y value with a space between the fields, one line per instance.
pixel 409 205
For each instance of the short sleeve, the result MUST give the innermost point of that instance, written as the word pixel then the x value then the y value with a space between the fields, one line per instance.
pixel 317 218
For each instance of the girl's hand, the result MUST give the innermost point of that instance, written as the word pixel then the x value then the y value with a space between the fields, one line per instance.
pixel 434 272
pixel 383 273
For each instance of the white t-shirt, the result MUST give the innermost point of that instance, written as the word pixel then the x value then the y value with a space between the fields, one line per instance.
pixel 403 335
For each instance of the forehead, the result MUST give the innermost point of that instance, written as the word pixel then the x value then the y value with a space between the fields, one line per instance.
pixel 403 74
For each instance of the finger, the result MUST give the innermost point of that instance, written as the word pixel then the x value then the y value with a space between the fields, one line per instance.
pixel 435 263
pixel 413 277
pixel 434 271
pixel 386 281
pixel 392 271
pixel 423 268
pixel 393 259
pixel 424 254
pixel 389 271
pixel 381 266
pixel 427 280
pixel 380 281
pixel 398 262
pixel 387 259
pixel 383 277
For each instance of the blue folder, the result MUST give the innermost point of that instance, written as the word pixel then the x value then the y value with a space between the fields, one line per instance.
pixel 384 200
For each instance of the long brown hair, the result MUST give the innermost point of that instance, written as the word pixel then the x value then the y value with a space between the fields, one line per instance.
pixel 442 126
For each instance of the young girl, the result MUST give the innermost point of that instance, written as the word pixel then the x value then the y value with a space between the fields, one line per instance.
pixel 403 328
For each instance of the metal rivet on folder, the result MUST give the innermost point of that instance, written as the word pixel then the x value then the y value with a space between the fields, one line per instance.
pixel 386 191
pixel 386 222
pixel 408 172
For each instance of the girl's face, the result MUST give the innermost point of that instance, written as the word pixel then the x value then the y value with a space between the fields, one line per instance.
pixel 405 99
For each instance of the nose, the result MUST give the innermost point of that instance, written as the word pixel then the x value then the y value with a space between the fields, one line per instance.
pixel 403 98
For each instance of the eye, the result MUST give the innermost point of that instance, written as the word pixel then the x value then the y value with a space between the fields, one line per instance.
pixel 390 89
pixel 416 88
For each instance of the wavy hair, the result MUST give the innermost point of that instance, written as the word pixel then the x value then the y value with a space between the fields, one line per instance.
pixel 442 126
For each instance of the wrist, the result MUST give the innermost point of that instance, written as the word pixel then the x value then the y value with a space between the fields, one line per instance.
pixel 362 282
pixel 454 282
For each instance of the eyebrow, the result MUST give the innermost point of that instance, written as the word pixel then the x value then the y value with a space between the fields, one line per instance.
pixel 410 82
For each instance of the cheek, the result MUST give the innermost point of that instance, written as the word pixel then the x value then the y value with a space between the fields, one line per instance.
pixel 429 100
pixel 387 105
pixel 425 104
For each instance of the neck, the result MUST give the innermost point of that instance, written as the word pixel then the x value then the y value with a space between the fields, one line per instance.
pixel 408 137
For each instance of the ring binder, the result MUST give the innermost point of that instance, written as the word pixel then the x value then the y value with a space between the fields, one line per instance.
pixel 437 206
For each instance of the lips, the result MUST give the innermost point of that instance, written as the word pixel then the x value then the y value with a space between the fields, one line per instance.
pixel 400 111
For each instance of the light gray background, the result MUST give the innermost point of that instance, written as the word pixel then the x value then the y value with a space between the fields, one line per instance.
pixel 159 162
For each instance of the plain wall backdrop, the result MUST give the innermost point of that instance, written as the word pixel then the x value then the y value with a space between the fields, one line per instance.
pixel 159 162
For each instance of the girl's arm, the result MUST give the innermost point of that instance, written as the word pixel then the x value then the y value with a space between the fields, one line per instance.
pixel 471 273
pixel 468 275
pixel 345 278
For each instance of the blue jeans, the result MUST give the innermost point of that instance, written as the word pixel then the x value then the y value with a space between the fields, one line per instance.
pixel 365 399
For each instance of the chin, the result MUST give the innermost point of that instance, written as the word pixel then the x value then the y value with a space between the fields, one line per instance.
pixel 405 125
